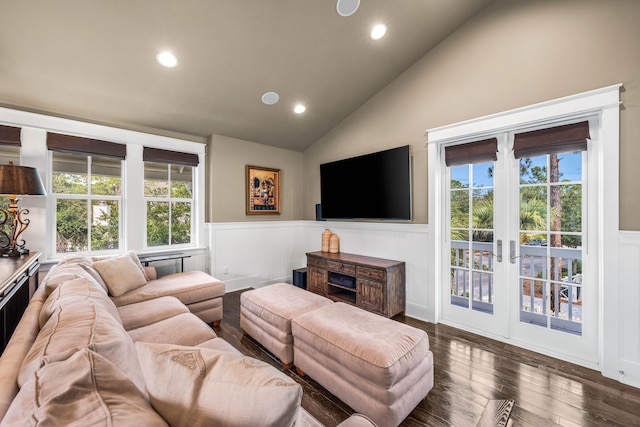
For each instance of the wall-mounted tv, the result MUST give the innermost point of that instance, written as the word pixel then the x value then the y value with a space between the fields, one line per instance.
pixel 375 186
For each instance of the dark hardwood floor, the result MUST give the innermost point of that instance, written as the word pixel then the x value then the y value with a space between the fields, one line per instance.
pixel 470 371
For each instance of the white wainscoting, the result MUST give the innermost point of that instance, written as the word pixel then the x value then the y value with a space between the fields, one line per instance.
pixel 255 254
pixel 629 310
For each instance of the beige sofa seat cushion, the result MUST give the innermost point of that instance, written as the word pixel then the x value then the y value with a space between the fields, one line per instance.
pixel 145 313
pixel 369 345
pixel 182 329
pixel 85 389
pixel 80 289
pixel 213 388
pixel 121 274
pixel 189 287
pixel 219 344
pixel 83 324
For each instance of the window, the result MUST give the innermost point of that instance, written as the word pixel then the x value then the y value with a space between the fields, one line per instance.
pixel 87 193
pixel 168 197
pixel 86 186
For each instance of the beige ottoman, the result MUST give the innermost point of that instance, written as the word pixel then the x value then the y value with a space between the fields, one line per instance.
pixel 377 366
pixel 266 313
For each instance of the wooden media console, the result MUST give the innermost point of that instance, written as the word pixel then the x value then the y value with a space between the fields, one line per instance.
pixel 373 284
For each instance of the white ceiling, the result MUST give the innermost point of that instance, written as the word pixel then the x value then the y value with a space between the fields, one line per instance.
pixel 95 61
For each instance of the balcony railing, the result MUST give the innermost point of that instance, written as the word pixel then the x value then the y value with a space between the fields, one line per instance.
pixel 559 310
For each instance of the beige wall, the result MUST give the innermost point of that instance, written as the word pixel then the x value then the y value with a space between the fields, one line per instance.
pixel 514 53
pixel 226 161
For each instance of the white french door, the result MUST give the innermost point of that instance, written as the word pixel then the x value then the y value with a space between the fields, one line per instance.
pixel 515 259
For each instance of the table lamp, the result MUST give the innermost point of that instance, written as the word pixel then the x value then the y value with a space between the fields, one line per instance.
pixel 15 181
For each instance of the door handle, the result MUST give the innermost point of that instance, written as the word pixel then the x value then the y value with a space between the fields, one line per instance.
pixel 499 251
pixel 512 251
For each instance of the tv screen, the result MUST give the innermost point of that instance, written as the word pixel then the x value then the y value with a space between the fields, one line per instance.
pixel 373 186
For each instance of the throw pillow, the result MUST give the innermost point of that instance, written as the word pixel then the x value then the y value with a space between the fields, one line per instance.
pixel 84 389
pixel 120 274
pixel 137 262
pixel 192 386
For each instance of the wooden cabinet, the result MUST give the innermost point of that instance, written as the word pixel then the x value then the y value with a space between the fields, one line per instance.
pixel 18 282
pixel 373 284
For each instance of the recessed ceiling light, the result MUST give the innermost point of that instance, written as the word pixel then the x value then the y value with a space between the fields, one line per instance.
pixel 299 109
pixel 378 32
pixel 270 98
pixel 167 59
pixel 347 7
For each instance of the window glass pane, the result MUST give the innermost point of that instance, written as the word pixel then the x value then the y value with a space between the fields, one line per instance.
pixel 180 222
pixel 69 173
pixel 460 209
pixel 533 207
pixel 181 181
pixel 533 170
pixel 483 174
pixel 106 176
pixel 483 211
pixel 570 166
pixel 71 226
pixel 459 176
pixel 157 223
pixel 156 179
pixel 105 224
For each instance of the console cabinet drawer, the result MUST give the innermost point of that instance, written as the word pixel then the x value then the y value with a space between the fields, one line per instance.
pixel 371 273
pixel 315 261
pixel 340 267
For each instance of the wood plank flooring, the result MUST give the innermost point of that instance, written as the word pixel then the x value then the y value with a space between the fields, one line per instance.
pixel 470 372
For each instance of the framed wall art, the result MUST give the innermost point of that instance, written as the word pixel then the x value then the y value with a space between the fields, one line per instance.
pixel 263 190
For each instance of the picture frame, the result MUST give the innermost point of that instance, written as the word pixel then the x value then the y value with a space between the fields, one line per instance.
pixel 262 188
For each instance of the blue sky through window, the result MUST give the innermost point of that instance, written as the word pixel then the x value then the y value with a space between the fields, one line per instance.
pixel 570 170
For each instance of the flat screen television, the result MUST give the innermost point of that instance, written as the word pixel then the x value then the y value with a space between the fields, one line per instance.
pixel 375 186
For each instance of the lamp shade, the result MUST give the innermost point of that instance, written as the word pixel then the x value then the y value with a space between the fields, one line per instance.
pixel 20 180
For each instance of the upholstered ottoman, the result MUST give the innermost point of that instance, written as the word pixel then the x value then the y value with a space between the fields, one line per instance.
pixel 379 367
pixel 266 313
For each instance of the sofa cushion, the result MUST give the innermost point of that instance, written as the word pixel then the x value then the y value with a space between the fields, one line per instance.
pixel 78 324
pixel 84 389
pixel 189 287
pixel 145 313
pixel 80 289
pixel 182 329
pixel 120 273
pixel 210 387
pixel 219 344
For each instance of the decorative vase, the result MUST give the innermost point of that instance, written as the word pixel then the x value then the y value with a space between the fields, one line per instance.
pixel 326 236
pixel 334 244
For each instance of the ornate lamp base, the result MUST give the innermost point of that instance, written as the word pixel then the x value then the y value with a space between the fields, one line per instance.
pixel 13 252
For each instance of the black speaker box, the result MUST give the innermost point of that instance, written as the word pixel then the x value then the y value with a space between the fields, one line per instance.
pixel 300 278
pixel 319 212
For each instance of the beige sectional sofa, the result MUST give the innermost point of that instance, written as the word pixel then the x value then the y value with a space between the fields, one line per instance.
pixel 83 355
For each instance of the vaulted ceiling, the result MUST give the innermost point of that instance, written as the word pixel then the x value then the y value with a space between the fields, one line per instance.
pixel 96 61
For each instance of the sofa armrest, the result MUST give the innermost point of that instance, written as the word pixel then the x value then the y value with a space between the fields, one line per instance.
pixel 151 273
pixel 15 353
